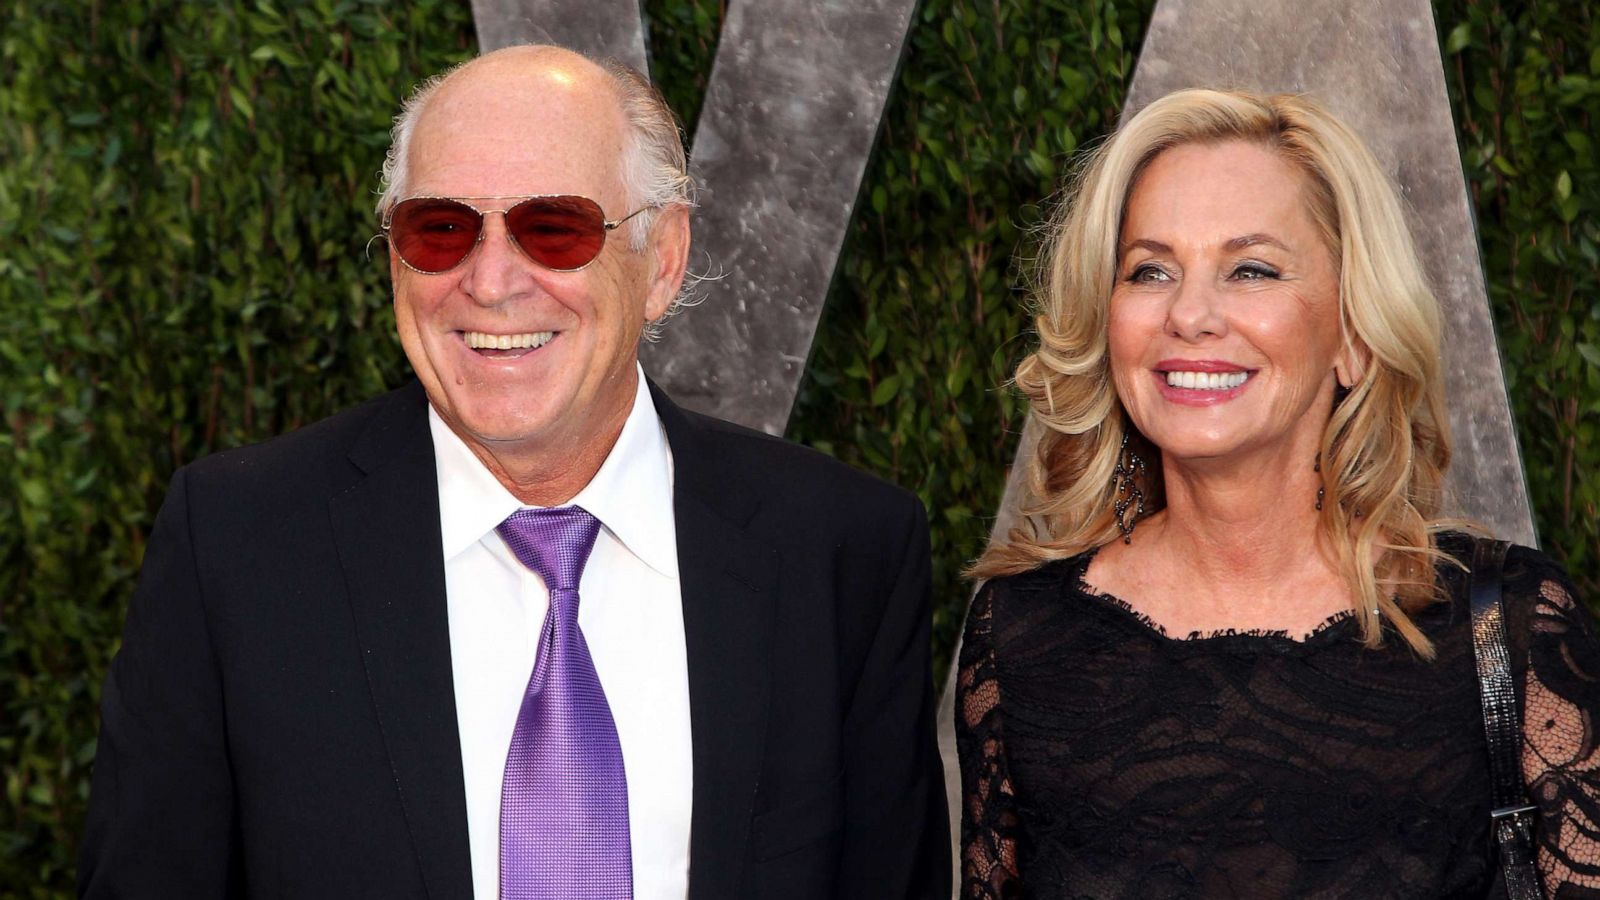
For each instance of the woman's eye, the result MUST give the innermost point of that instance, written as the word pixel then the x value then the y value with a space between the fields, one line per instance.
pixel 1148 274
pixel 1254 272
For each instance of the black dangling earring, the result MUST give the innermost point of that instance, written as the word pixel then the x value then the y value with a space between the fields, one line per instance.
pixel 1125 487
pixel 1317 468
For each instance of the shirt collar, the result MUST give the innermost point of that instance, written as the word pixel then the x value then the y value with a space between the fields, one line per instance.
pixel 631 494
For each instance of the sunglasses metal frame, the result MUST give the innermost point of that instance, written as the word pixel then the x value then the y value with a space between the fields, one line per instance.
pixel 606 226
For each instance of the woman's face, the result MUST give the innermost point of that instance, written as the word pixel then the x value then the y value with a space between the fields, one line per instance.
pixel 1224 322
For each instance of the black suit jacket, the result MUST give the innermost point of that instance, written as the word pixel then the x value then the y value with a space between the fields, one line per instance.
pixel 280 720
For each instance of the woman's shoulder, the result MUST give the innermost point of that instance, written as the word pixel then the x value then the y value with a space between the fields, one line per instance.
pixel 1542 606
pixel 1530 572
pixel 1548 626
pixel 1007 605
pixel 1047 580
pixel 1529 576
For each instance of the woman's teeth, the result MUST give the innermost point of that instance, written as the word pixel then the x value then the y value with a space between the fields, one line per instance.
pixel 478 340
pixel 1206 381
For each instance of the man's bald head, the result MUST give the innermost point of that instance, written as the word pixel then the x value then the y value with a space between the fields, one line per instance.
pixel 649 155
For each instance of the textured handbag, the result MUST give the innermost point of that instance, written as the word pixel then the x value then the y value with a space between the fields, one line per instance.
pixel 1512 816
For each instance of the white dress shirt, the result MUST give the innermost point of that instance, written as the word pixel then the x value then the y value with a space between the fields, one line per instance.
pixel 631 613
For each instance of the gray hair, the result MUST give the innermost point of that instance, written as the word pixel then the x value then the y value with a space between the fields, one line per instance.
pixel 655 169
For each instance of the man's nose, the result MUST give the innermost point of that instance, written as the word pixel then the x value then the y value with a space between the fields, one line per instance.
pixel 1195 310
pixel 496 271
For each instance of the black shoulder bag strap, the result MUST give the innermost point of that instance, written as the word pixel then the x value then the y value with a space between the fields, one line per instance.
pixel 1512 818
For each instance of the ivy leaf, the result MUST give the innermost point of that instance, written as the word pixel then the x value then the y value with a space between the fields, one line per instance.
pixel 1591 353
pixel 34 492
pixel 241 101
pixel 886 390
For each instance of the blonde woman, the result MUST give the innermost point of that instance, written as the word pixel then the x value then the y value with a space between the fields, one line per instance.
pixel 1226 652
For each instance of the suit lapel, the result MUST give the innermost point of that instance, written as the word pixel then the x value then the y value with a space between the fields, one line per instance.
pixel 729 582
pixel 387 530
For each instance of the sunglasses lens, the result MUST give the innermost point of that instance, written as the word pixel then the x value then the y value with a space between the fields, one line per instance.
pixel 434 235
pixel 558 232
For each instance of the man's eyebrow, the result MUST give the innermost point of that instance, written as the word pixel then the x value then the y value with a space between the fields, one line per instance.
pixel 1251 240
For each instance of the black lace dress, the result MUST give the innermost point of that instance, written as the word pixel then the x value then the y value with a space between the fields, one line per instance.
pixel 1102 758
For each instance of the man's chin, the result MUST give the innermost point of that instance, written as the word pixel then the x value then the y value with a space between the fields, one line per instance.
pixel 509 429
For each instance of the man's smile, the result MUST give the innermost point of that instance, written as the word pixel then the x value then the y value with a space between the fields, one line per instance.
pixel 506 346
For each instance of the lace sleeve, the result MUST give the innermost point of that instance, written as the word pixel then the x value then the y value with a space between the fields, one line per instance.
pixel 989 826
pixel 1561 749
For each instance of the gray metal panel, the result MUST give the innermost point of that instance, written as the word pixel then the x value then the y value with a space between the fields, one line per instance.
pixel 789 121
pixel 599 28
pixel 1376 64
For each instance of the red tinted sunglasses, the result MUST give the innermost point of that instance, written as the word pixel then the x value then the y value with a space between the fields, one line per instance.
pixel 561 232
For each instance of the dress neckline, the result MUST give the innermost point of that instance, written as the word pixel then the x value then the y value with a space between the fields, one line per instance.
pixel 1328 630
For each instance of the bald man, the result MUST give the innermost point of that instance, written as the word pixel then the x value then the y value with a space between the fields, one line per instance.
pixel 523 628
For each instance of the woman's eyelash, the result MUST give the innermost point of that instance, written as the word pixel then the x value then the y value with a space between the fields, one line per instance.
pixel 1247 271
pixel 1255 270
pixel 1139 272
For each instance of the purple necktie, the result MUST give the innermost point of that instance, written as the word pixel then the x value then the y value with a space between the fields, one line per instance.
pixel 564 800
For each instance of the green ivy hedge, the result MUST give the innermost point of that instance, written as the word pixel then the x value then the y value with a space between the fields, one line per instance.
pixel 186 196
pixel 185 205
pixel 1525 84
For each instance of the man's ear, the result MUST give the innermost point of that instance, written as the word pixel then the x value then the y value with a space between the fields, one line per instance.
pixel 669 246
pixel 394 262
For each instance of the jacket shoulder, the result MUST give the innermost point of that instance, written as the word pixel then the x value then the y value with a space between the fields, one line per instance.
pixel 791 471
pixel 315 455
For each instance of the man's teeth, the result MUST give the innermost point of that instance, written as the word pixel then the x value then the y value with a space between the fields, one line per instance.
pixel 478 340
pixel 1206 381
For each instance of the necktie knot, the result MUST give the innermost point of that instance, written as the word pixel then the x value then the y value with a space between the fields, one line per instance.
pixel 552 542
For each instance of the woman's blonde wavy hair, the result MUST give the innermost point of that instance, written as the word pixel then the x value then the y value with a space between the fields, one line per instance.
pixel 1387 443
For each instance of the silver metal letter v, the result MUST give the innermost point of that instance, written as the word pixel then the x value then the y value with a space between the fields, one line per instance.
pixel 789 121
